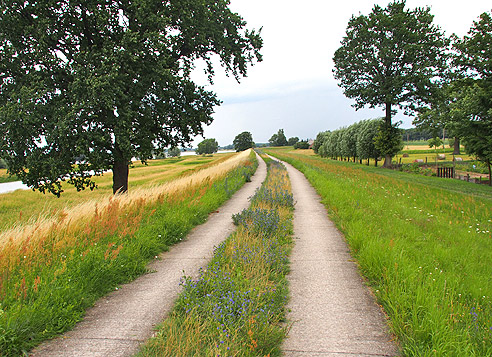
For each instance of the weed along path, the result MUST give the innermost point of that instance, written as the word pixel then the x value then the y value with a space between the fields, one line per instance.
pixel 332 311
pixel 119 322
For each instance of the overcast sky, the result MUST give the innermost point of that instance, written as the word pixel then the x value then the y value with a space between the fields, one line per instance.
pixel 293 88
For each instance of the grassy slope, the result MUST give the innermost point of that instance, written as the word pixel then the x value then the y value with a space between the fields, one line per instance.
pixel 21 205
pixel 48 290
pixel 423 243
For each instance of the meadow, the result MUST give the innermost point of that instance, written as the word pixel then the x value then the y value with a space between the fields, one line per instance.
pixel 236 305
pixel 424 245
pixel 56 266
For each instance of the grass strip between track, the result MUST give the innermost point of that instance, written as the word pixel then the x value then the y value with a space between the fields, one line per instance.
pixel 236 305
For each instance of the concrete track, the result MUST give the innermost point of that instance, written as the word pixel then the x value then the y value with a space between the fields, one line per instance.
pixel 121 321
pixel 332 311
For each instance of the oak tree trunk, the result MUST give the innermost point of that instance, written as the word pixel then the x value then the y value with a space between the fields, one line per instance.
pixel 456 147
pixel 120 177
pixel 490 173
pixel 387 120
pixel 387 161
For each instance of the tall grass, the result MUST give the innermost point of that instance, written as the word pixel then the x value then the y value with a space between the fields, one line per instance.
pixel 23 206
pixel 236 305
pixel 53 269
pixel 425 250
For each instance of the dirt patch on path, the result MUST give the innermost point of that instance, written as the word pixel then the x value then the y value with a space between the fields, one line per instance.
pixel 121 321
pixel 333 311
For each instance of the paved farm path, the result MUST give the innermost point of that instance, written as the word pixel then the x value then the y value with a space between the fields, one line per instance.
pixel 333 312
pixel 121 321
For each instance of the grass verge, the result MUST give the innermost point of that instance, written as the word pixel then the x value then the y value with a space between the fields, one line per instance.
pixel 425 250
pixel 52 271
pixel 236 305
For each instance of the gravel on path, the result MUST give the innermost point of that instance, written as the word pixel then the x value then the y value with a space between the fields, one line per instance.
pixel 122 320
pixel 332 311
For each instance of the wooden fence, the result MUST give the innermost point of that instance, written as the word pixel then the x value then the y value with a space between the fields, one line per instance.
pixel 446 172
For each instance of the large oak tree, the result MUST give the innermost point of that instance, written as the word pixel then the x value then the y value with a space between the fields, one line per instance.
pixel 243 141
pixel 85 86
pixel 392 57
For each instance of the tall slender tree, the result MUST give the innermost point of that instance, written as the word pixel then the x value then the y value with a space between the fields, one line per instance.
pixel 87 86
pixel 391 58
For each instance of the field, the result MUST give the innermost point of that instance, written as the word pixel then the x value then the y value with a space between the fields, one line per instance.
pixel 422 243
pixel 421 151
pixel 54 267
pixel 23 205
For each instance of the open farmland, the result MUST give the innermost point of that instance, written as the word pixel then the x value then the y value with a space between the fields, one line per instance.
pixel 24 205
pixel 423 244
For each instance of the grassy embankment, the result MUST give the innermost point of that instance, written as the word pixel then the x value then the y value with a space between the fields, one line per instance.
pixel 423 243
pixel 236 306
pixel 51 270
pixel 22 206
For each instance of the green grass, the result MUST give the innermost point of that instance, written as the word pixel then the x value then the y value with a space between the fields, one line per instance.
pixel 236 306
pixel 424 244
pixel 47 291
pixel 430 151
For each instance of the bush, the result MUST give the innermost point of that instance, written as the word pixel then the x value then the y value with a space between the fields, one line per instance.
pixel 174 152
pixel 303 144
pixel 415 168
pixel 3 164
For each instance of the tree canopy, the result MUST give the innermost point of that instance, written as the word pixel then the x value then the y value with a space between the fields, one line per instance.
pixel 358 141
pixel 471 110
pixel 243 141
pixel 174 152
pixel 87 86
pixel 278 139
pixel 391 58
pixel 207 146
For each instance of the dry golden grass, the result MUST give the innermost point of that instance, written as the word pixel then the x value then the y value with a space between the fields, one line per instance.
pixel 71 224
pixel 23 206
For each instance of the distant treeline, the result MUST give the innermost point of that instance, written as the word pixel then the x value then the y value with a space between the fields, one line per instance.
pixel 415 134
pixel 358 141
pixel 353 142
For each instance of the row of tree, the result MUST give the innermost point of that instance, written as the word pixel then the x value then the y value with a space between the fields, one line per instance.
pixel 398 58
pixel 279 139
pixel 360 141
pixel 244 141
